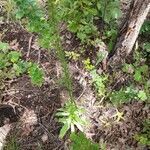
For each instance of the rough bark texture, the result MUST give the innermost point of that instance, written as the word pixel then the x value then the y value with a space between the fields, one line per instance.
pixel 129 32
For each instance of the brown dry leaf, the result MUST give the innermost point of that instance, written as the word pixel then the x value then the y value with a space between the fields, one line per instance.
pixel 14 45
pixel 28 119
pixel 44 137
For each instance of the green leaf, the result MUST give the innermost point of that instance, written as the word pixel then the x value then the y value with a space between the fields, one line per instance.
pixel 137 76
pixel 64 130
pixel 36 74
pixel 145 29
pixel 124 95
pixel 62 120
pixel 144 69
pixel 81 35
pixel 62 114
pixel 146 46
pixel 116 13
pixel 142 95
pixel 129 68
pixel 20 67
pixel 80 142
pixel 19 14
pixel 4 61
pixel 73 26
pixel 99 6
pixel 14 56
pixel 4 46
pixel 100 57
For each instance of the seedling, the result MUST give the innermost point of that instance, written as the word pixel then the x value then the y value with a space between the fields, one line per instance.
pixel 71 117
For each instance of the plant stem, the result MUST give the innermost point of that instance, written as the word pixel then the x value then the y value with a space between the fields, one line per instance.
pixel 59 49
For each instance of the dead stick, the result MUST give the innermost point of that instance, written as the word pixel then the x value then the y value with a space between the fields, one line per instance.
pixel 29 47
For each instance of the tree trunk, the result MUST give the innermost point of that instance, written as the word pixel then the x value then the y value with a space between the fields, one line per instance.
pixel 129 32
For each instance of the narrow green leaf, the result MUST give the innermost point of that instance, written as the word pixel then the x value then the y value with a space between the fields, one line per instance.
pixel 63 130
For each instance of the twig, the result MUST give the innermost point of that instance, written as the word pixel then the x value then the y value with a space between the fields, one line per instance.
pixel 81 94
pixel 39 56
pixel 29 47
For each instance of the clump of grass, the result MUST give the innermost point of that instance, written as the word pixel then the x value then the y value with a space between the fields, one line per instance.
pixel 12 144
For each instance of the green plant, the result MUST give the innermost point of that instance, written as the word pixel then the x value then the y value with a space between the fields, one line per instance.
pixel 146 47
pixel 66 80
pixel 34 19
pixel 128 68
pixel 36 74
pixel 122 96
pixel 11 66
pixel 72 55
pixel 105 7
pixel 136 70
pixel 145 27
pixel 70 116
pixel 110 35
pixel 48 31
pixel 54 22
pixel 127 94
pixel 99 82
pixel 147 89
pixel 141 94
pixel 139 72
pixel 143 138
pixel 80 15
pixel 87 65
pixel 80 142
pixel 8 6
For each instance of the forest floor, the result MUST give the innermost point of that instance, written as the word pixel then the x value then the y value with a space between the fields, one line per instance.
pixel 36 126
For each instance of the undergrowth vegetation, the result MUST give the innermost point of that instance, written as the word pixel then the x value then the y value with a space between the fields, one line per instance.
pixel 12 66
pixel 144 137
pixel 79 141
pixel 92 23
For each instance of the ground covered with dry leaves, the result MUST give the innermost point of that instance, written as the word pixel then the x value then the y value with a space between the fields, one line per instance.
pixel 31 110
pixel 28 113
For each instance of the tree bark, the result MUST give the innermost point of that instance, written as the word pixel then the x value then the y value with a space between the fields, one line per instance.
pixel 129 32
